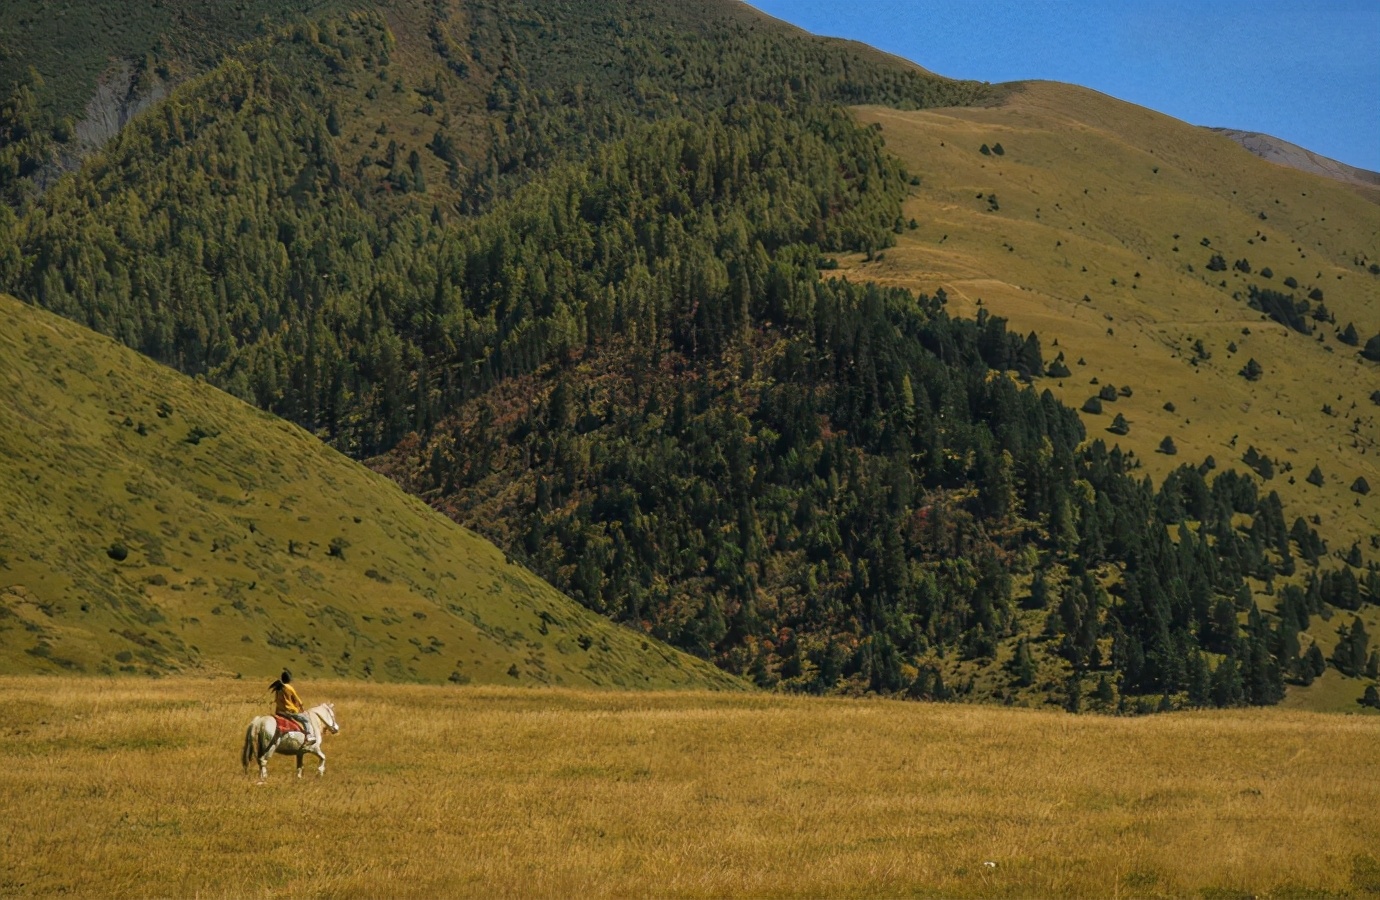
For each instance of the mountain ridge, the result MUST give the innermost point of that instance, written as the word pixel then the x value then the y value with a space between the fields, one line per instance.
pixel 1282 152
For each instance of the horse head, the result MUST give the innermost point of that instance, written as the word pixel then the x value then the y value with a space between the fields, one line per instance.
pixel 326 712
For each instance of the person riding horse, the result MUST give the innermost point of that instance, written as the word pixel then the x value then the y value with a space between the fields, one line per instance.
pixel 286 703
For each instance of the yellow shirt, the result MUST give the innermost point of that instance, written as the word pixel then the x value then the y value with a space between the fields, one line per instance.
pixel 287 700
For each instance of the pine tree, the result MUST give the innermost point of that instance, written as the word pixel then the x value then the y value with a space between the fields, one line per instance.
pixel 1372 349
pixel 1264 678
pixel 1022 665
pixel 1104 694
pixel 1315 661
pixel 1349 656
pixel 1073 693
pixel 1227 689
pixel 1199 680
pixel 1038 597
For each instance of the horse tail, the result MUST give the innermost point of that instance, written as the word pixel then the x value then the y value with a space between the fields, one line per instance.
pixel 248 753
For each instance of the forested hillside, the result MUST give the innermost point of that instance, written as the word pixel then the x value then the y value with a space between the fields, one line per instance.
pixel 153 525
pixel 562 267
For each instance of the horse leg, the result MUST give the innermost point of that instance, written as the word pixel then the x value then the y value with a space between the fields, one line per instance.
pixel 321 769
pixel 269 744
pixel 263 762
pixel 300 754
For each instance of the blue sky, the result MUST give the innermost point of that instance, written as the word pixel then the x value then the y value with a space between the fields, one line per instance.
pixel 1307 72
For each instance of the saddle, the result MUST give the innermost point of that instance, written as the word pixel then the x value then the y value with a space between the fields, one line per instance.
pixel 286 725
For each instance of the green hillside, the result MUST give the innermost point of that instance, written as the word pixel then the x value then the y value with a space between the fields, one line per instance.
pixel 571 273
pixel 154 525
pixel 1106 219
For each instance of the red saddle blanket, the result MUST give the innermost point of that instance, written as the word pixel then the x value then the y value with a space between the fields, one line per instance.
pixel 285 725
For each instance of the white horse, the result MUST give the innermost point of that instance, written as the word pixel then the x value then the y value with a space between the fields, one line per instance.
pixel 262 740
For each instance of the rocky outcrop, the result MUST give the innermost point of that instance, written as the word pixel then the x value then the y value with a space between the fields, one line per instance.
pixel 121 94
pixel 119 97
pixel 1286 154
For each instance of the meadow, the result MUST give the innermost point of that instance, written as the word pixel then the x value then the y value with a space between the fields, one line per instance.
pixel 131 787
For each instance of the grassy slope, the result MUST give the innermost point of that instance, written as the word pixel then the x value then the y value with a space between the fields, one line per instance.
pixel 229 566
pixel 131 788
pixel 1081 204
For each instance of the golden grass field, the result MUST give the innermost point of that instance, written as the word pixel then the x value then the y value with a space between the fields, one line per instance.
pixel 129 787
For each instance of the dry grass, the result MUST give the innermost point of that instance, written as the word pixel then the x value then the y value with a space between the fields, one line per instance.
pixel 132 788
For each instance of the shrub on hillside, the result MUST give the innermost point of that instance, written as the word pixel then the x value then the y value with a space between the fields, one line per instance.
pixel 1261 464
pixel 1092 405
pixel 1284 309
pixel 1251 371
pixel 1167 446
pixel 1360 485
pixel 1372 349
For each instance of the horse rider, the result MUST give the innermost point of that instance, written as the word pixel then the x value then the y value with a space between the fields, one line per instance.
pixel 286 703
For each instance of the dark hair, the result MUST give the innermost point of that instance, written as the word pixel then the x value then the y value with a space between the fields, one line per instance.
pixel 276 686
pixel 287 677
